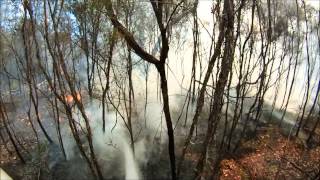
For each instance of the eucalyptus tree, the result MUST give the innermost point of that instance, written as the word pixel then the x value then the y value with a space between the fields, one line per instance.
pixel 112 39
pixel 163 15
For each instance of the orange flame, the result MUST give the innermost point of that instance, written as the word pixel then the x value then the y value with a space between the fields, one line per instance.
pixel 69 98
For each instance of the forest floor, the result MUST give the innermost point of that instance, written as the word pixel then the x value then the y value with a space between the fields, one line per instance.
pixel 272 155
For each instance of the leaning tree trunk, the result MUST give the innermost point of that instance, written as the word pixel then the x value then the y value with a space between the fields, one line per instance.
pixel 159 64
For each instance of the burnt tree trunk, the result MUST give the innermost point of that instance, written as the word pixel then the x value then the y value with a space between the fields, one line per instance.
pixel 166 110
pixel 226 64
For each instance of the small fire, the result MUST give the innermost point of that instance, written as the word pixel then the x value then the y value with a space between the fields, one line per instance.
pixel 69 98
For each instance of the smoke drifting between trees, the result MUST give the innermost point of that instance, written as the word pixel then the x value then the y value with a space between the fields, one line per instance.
pixel 144 89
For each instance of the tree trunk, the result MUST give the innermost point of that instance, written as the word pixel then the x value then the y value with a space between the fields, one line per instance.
pixel 166 109
pixel 226 65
